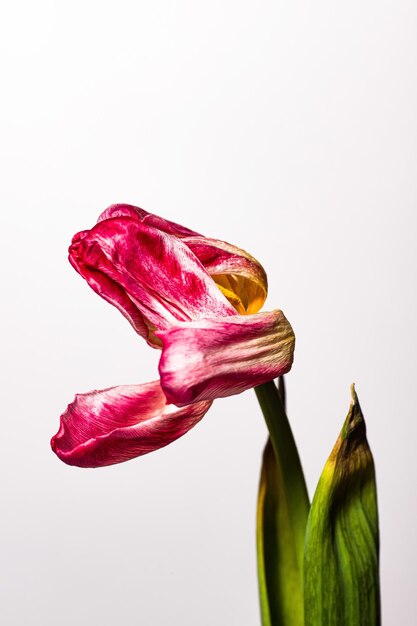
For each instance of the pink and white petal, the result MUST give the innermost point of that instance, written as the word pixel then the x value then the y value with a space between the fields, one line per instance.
pixel 120 423
pixel 215 358
pixel 238 274
pixel 128 210
pixel 152 277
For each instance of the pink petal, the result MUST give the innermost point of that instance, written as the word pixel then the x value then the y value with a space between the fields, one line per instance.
pixel 117 424
pixel 239 275
pixel 128 210
pixel 152 277
pixel 214 358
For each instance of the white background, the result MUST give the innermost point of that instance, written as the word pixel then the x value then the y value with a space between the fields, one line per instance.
pixel 287 128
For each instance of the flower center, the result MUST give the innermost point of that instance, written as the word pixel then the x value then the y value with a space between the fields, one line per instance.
pixel 246 295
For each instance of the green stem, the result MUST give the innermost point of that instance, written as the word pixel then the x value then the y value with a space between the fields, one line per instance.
pixel 293 490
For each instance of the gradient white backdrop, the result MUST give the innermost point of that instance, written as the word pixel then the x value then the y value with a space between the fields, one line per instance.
pixel 285 127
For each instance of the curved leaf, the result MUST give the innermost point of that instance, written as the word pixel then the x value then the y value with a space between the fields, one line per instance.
pixel 342 542
pixel 281 517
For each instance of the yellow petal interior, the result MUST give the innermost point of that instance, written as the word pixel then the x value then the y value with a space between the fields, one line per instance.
pixel 245 294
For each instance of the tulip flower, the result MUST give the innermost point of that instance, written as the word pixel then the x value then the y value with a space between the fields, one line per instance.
pixel 194 298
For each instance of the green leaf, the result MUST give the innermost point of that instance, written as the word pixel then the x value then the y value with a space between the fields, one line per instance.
pixel 281 518
pixel 342 542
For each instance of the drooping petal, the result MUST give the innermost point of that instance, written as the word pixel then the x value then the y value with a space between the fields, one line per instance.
pixel 214 358
pixel 238 275
pixel 117 424
pixel 152 277
pixel 128 210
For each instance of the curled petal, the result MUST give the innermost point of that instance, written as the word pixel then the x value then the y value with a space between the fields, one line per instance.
pixel 239 275
pixel 128 210
pixel 214 358
pixel 151 277
pixel 117 424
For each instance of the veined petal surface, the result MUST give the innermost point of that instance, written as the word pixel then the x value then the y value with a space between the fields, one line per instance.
pixel 238 275
pixel 117 424
pixel 215 358
pixel 151 277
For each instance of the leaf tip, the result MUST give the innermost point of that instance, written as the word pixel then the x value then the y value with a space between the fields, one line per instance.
pixel 353 394
pixel 354 426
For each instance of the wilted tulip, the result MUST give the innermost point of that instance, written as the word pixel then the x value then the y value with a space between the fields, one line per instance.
pixel 197 299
